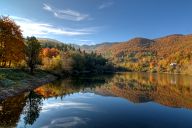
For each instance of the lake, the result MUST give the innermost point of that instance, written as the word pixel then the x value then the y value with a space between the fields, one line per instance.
pixel 135 100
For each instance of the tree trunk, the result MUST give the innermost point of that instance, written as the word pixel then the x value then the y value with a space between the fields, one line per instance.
pixel 4 65
pixel 9 63
pixel 31 70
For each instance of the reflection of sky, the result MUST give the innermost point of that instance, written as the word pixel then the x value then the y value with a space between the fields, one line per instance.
pixel 66 104
pixel 70 102
pixel 88 110
pixel 66 112
pixel 70 105
pixel 66 122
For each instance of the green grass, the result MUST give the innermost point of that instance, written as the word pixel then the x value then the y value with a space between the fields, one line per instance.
pixel 13 74
pixel 13 77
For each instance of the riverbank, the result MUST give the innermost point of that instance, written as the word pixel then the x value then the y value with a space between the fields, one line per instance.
pixel 15 81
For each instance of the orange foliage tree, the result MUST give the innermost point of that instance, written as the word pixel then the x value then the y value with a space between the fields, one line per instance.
pixel 49 52
pixel 11 42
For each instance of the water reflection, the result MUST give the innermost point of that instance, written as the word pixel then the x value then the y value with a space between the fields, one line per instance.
pixel 32 108
pixel 169 90
pixel 11 110
pixel 65 95
pixel 160 88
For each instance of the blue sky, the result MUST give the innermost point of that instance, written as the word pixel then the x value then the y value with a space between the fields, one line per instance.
pixel 96 21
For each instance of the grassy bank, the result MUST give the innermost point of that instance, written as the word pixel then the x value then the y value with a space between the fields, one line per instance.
pixel 15 81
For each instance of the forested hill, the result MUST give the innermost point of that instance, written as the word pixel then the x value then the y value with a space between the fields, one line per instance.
pixel 141 54
pixel 47 42
pixel 163 46
pixel 171 53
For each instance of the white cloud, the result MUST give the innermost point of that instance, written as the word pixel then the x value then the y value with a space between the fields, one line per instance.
pixel 66 14
pixel 47 7
pixel 33 28
pixel 105 5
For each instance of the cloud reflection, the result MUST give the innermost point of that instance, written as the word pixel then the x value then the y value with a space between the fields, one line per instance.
pixel 67 105
pixel 67 122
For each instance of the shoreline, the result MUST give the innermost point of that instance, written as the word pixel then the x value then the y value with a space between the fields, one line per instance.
pixel 10 87
pixel 25 85
pixel 15 87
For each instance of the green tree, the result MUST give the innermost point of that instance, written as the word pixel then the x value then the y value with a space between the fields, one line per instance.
pixel 32 51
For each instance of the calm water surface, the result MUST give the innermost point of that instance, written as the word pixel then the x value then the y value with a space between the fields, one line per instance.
pixel 130 100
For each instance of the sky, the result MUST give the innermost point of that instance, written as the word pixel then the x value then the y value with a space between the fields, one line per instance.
pixel 96 21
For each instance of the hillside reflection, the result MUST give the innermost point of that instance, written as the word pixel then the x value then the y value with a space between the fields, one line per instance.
pixel 168 90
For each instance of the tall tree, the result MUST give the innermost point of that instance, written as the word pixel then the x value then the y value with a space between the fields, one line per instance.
pixel 11 42
pixel 32 51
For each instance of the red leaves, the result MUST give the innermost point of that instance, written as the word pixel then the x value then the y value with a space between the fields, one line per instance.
pixel 49 52
pixel 11 42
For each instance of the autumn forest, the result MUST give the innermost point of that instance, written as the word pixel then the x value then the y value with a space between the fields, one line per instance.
pixel 95 64
pixel 19 52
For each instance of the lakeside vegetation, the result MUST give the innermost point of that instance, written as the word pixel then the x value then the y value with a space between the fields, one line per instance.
pixel 18 52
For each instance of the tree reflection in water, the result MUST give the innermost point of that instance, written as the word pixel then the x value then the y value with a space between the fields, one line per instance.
pixel 168 90
pixel 28 104
pixel 32 108
pixel 11 109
